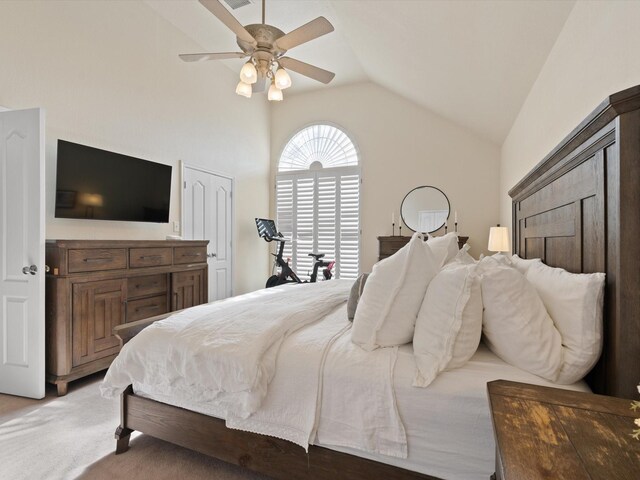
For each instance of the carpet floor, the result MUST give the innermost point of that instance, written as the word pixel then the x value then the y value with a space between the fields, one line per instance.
pixel 71 437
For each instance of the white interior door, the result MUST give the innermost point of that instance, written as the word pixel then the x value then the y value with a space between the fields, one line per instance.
pixel 22 253
pixel 206 215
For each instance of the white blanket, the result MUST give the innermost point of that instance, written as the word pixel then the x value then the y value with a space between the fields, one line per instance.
pixel 224 352
pixel 356 391
pixel 290 408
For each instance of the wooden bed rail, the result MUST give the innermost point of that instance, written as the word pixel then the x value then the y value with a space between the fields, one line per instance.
pixel 127 331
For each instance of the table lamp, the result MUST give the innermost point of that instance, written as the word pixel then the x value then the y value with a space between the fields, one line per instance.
pixel 498 239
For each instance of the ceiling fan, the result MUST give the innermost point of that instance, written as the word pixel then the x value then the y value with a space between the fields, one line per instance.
pixel 265 45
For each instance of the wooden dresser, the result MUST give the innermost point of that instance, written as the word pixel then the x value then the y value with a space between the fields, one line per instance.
pixel 387 246
pixel 551 433
pixel 94 285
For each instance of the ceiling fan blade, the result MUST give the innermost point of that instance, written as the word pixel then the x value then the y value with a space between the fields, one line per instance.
pixel 224 15
pixel 314 29
pixel 260 85
pixel 307 70
pixel 200 57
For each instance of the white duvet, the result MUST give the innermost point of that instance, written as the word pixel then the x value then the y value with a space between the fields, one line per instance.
pixel 257 361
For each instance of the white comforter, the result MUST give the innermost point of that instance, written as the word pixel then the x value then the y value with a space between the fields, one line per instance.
pixel 223 352
pixel 257 361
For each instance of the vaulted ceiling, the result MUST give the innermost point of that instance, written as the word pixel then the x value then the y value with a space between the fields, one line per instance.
pixel 473 62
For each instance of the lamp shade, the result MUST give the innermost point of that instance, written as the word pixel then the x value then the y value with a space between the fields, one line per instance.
pixel 283 80
pixel 249 74
pixel 498 239
pixel 244 89
pixel 275 94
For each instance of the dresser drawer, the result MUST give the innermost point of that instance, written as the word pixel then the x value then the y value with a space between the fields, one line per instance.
pixel 389 247
pixel 146 307
pixel 149 257
pixel 183 255
pixel 94 259
pixel 147 285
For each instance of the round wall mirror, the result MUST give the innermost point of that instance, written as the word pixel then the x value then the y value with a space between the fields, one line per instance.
pixel 425 209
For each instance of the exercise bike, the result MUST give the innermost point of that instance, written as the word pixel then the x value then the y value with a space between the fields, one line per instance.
pixel 267 230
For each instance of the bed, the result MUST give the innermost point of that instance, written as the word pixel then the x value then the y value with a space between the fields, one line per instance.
pixel 577 209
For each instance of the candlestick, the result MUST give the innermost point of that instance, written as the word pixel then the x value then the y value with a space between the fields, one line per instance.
pixel 456 216
pixel 393 229
pixel 399 230
pixel 455 225
pixel 393 217
pixel 445 225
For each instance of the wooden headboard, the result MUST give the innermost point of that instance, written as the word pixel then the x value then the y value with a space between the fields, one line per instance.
pixel 579 209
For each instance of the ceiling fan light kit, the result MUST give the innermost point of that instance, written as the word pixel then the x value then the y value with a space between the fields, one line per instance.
pixel 249 74
pixel 275 94
pixel 283 80
pixel 244 89
pixel 265 45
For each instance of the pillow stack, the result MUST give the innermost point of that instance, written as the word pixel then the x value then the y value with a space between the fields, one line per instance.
pixel 544 320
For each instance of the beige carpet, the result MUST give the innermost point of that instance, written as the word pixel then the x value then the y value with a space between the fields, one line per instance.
pixel 71 437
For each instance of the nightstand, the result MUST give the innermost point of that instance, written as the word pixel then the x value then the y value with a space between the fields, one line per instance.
pixel 551 433
pixel 387 246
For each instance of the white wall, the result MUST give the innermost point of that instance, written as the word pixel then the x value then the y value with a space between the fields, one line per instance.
pixel 108 75
pixel 401 146
pixel 596 54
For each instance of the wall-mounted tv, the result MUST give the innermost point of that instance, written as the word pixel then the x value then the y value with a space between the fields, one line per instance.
pixel 101 185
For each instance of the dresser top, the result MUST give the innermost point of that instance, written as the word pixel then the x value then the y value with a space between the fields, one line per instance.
pixel 551 433
pixel 124 243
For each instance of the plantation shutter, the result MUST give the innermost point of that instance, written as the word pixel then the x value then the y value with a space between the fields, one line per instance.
pixel 318 200
pixel 319 212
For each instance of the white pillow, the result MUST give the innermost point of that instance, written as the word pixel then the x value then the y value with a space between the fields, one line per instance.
pixel 444 248
pixel 574 301
pixel 523 264
pixel 515 324
pixel 387 311
pixel 449 323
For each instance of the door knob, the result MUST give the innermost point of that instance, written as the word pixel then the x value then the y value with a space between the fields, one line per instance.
pixel 211 255
pixel 32 269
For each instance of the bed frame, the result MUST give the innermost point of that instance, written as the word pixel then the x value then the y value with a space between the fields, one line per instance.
pixel 577 209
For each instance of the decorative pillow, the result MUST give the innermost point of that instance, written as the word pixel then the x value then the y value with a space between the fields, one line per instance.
pixel 449 323
pixel 387 311
pixel 574 301
pixel 354 296
pixel 444 248
pixel 523 264
pixel 463 256
pixel 515 324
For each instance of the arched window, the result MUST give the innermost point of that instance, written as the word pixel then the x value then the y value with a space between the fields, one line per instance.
pixel 318 199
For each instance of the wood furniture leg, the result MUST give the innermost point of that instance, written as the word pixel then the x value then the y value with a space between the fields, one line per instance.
pixel 62 388
pixel 123 433
pixel 122 439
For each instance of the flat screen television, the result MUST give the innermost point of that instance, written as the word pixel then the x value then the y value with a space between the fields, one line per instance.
pixel 101 185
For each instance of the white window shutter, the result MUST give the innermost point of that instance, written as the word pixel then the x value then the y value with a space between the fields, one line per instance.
pixel 349 240
pixel 318 200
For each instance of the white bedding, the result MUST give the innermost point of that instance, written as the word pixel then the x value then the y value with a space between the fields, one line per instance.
pixel 444 430
pixel 222 352
pixel 448 425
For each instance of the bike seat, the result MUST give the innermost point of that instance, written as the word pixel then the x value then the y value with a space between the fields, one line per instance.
pixel 317 256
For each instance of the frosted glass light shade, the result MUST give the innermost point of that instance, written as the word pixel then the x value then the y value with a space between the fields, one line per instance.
pixel 283 80
pixel 275 94
pixel 249 74
pixel 498 239
pixel 244 89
